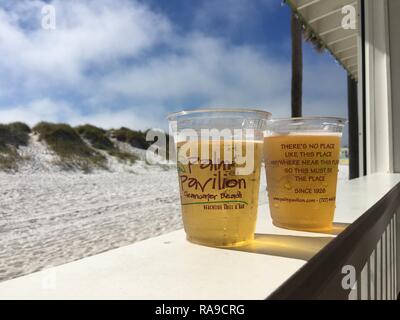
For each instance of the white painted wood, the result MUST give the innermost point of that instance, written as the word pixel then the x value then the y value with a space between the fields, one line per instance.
pixel 360 82
pixel 325 18
pixel 169 267
pixel 364 278
pixel 378 91
pixel 372 274
pixel 384 274
pixel 302 4
pixel 396 255
pixel 389 262
pixel 379 270
pixel 394 30
pixel 392 257
pixel 396 287
pixel 393 261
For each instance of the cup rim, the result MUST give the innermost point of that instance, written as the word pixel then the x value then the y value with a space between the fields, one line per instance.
pixel 338 120
pixel 186 112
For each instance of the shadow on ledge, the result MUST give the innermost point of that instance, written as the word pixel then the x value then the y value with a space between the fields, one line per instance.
pixel 295 247
pixel 337 228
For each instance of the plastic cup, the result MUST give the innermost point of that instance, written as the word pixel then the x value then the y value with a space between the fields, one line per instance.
pixel 219 153
pixel 301 159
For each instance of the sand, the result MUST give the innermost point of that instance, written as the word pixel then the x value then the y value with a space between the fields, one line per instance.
pixel 49 217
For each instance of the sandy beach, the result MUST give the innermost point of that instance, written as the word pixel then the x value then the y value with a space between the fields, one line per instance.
pixel 49 219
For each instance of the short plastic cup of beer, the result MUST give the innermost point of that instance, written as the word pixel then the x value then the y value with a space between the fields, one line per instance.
pixel 219 153
pixel 301 160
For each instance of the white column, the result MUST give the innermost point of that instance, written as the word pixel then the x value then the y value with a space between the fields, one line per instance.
pixel 378 89
pixel 394 30
pixel 360 96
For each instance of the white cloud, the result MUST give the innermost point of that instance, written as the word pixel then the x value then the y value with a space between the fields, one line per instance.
pixel 205 67
pixel 127 117
pixel 103 52
pixel 35 111
pixel 89 34
pixel 58 111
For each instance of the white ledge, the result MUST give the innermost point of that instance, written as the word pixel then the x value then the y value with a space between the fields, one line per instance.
pixel 169 267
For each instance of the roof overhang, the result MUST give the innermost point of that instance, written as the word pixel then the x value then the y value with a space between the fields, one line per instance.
pixel 324 19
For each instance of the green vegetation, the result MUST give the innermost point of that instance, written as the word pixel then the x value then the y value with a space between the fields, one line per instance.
pixel 9 158
pixel 123 156
pixel 82 147
pixel 134 138
pixel 98 138
pixel 12 136
pixel 137 138
pixel 69 146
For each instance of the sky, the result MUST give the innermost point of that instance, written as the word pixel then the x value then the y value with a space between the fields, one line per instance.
pixel 130 62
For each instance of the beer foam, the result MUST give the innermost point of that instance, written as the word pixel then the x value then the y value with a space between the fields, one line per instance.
pixel 200 141
pixel 304 133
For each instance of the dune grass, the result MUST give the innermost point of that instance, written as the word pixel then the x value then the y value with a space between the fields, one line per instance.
pixel 81 147
pixel 96 136
pixel 135 138
pixel 12 136
pixel 69 146
pixel 9 158
pixel 99 139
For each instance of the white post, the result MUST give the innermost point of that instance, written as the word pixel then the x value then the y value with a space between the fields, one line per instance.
pixel 378 89
pixel 394 30
pixel 360 96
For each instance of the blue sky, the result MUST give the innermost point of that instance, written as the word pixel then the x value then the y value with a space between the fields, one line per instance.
pixel 122 62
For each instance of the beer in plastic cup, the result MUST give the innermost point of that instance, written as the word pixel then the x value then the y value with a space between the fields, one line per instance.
pixel 219 153
pixel 301 159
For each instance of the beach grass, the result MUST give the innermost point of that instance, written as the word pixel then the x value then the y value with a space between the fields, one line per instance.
pixel 69 146
pixel 12 135
pixel 98 138
pixel 135 138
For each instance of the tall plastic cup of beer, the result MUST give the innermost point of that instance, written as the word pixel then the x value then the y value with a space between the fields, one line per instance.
pixel 219 153
pixel 301 160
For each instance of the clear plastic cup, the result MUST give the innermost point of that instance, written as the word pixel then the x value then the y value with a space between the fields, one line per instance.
pixel 219 153
pixel 301 160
